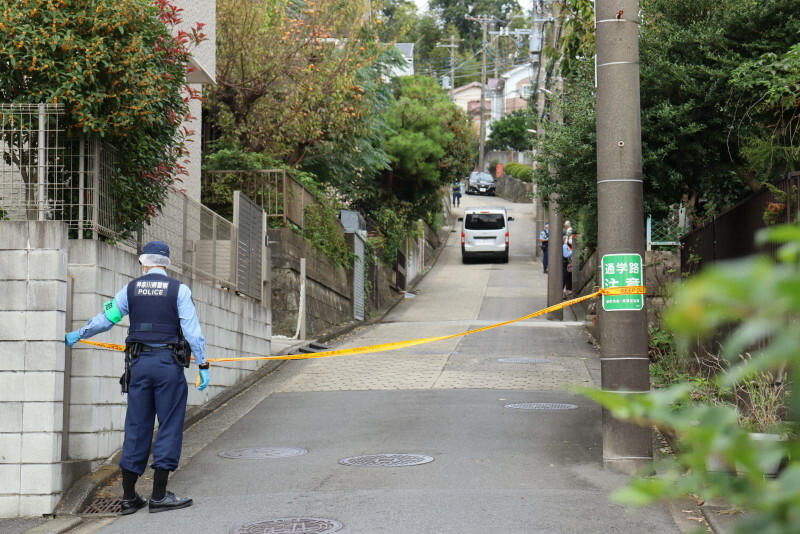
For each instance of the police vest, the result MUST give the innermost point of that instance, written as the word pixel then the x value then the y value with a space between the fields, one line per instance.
pixel 153 307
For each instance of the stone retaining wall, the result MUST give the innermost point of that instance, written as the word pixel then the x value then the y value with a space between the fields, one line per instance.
pixel 513 189
pixel 328 294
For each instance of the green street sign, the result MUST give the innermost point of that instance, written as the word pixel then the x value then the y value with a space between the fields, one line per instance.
pixel 622 270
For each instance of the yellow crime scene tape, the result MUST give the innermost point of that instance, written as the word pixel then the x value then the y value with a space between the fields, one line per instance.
pixel 628 290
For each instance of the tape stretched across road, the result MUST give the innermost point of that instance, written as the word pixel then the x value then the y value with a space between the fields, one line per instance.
pixel 629 290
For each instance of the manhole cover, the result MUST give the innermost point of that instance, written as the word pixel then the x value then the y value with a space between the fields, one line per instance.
pixel 523 360
pixel 306 525
pixel 104 505
pixel 386 460
pixel 259 453
pixel 541 406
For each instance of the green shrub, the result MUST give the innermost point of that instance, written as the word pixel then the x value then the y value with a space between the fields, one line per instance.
pixel 754 302
pixel 322 229
pixel 520 171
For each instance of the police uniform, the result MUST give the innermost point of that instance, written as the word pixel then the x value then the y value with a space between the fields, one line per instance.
pixel 161 313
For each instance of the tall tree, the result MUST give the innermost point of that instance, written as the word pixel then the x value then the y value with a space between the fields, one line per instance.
pixel 719 100
pixel 286 72
pixel 510 132
pixel 120 75
pixel 430 145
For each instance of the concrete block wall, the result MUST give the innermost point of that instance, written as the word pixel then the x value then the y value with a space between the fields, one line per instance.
pixel 33 300
pixel 45 446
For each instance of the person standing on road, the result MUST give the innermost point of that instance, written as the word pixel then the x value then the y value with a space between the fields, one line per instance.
pixel 457 190
pixel 566 253
pixel 544 241
pixel 163 320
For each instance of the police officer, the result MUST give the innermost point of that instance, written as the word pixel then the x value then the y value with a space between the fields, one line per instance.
pixel 161 315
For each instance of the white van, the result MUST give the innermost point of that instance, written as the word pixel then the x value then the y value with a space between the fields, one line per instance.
pixel 484 232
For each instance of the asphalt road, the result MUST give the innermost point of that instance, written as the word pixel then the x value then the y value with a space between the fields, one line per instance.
pixel 488 467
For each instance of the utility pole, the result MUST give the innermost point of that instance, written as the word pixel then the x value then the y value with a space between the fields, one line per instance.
pixel 452 46
pixel 555 258
pixel 623 327
pixel 484 44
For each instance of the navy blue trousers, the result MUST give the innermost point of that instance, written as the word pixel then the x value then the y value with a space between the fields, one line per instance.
pixel 157 389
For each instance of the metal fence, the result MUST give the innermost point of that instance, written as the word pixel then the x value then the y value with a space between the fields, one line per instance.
pixel 666 232
pixel 731 234
pixel 279 195
pixel 45 175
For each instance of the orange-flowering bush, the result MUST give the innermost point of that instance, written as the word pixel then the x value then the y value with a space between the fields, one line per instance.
pixel 120 75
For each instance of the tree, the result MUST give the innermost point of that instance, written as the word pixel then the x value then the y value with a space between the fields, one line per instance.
pixel 714 125
pixel 398 18
pixel 768 122
pixel 690 51
pixel 428 147
pixel 510 132
pixel 350 159
pixel 120 75
pixel 286 72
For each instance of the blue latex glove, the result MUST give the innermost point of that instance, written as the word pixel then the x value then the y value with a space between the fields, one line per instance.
pixel 205 378
pixel 72 338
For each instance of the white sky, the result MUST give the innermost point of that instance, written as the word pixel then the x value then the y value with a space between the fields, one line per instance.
pixel 422 5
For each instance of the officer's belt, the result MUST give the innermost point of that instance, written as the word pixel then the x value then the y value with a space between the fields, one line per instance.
pixel 148 348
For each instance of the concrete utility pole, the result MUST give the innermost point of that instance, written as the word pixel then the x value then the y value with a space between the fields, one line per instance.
pixel 484 45
pixel 555 258
pixel 452 46
pixel 623 333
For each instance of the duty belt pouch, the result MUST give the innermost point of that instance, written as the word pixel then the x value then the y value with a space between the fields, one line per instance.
pixel 182 353
pixel 131 353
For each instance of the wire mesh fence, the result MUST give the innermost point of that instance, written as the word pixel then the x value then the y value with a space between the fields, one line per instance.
pixel 46 174
pixel 666 232
pixel 282 198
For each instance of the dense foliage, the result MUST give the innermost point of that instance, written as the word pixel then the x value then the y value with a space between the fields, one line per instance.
pixel 288 73
pixel 510 132
pixel 717 99
pixel 752 305
pixel 120 75
pixel 429 148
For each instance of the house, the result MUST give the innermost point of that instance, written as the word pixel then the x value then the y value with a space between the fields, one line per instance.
pixel 202 72
pixel 407 49
pixel 511 91
pixel 468 98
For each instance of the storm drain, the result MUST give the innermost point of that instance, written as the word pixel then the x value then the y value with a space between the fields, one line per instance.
pixel 523 360
pixel 541 406
pixel 386 460
pixel 259 453
pixel 307 525
pixel 104 505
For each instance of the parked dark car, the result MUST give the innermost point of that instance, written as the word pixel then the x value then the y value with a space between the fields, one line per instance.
pixel 481 183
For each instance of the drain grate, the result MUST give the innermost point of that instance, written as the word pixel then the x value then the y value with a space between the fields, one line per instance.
pixel 306 525
pixel 386 460
pixel 541 406
pixel 523 360
pixel 104 505
pixel 260 453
